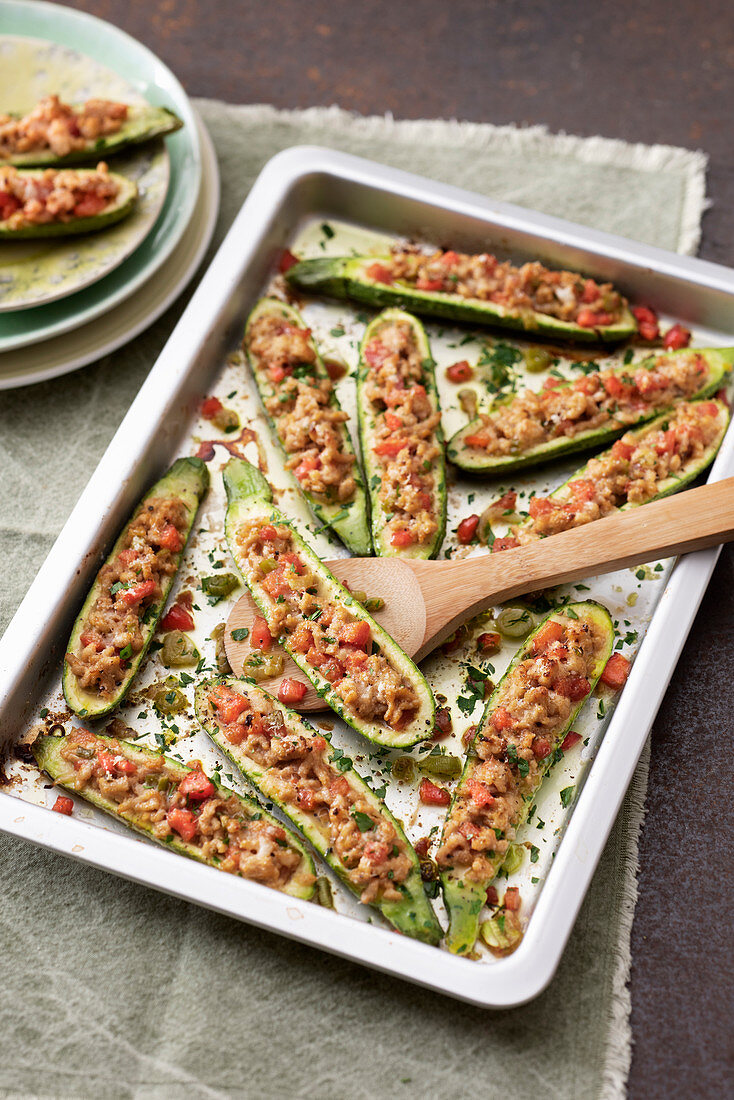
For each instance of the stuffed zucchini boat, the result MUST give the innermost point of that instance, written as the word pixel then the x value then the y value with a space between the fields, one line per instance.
pixel 354 665
pixel 118 619
pixel 180 806
pixel 291 765
pixel 530 428
pixel 62 202
pixel 524 723
pixel 479 289
pixel 307 420
pixel 401 437
pixel 56 133
pixel 662 458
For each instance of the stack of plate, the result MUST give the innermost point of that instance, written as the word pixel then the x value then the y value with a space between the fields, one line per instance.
pixel 66 302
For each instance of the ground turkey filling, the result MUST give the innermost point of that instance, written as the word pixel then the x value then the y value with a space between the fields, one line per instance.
pixel 630 473
pixel 56 195
pixel 513 745
pixel 532 287
pixel 172 802
pixel 309 424
pixel 61 129
pixel 405 440
pixel 298 773
pixel 331 638
pixel 130 589
pixel 604 399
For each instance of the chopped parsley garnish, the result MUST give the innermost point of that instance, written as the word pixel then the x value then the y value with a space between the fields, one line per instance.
pixel 364 821
pixel 567 795
pixel 239 634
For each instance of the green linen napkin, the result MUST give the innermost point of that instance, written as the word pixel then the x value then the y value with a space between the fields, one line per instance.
pixel 113 990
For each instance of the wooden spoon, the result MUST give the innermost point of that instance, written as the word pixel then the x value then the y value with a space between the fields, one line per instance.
pixel 425 601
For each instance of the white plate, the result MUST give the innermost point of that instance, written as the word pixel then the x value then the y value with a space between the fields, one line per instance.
pixel 49 359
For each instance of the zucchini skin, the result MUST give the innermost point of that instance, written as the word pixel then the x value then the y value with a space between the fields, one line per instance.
pixel 249 497
pixel 121 208
pixel 465 901
pixel 352 529
pixel 188 478
pixel 144 122
pixel 381 543
pixel 473 461
pixel 346 277
pixel 414 915
pixel 46 751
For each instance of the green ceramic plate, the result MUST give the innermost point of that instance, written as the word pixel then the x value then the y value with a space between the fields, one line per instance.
pixel 124 64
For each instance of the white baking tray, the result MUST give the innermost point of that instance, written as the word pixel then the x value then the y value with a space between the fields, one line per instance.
pixel 293 188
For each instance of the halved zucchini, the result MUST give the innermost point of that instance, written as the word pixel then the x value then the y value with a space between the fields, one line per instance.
pixel 369 412
pixel 475 460
pixel 187 481
pixel 143 123
pixel 347 277
pixel 464 896
pixel 47 751
pixel 411 914
pixel 348 518
pixel 115 211
pixel 250 502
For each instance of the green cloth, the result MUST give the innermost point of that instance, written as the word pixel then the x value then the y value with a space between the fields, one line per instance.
pixel 113 990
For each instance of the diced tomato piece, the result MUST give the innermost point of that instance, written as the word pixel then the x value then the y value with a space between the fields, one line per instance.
pixel 236 733
pixel 358 634
pixel 512 900
pixel 667 442
pixel 552 383
pixel 480 794
pixel 306 799
pixel 268 533
pixel 291 692
pixel 302 639
pixel 492 895
pixel 614 386
pixel 649 380
pixel 623 450
pixel 92 637
pixel 540 506
pixel 197 786
pixel 89 206
pixel 115 764
pixel 182 822
pixel 278 372
pixel 294 562
pixel 570 740
pixel 260 636
pixel 340 785
pixel 132 596
pixel 391 447
pixel 477 440
pixel 582 489
pixel 505 543
pixel 489 642
pixel 307 466
pixel 287 260
pixel 590 292
pixel 394 422
pixel 429 284
pixel 379 273
pixel 210 406
pixel 318 744
pixel 275 584
pixel 460 372
pixel 351 657
pixel 709 408
pixel 376 851
pixel 62 805
pixel 178 618
pixel 647 322
pixel 450 258
pixel 422 846
pixel 467 529
pixel 616 671
pixel 677 337
pixel 401 538
pixel 375 353
pixel 574 688
pixel 588 318
pixel 8 205
pixel 541 747
pixel 585 385
pixel 332 670
pixel 433 795
pixel 229 704
pixel 501 718
pixel 469 830
pixel 550 631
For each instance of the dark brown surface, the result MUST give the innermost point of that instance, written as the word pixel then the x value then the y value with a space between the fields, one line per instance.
pixel 665 74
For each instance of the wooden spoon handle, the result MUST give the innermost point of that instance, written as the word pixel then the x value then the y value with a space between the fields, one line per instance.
pixel 693 520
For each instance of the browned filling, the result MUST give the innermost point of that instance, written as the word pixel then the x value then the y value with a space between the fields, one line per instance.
pixel 60 128
pixel 56 195
pixel 298 773
pixel 309 425
pixel 604 398
pixel 173 802
pixel 514 742
pixel 564 295
pixel 405 441
pixel 330 637
pixel 130 588
pixel 630 473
